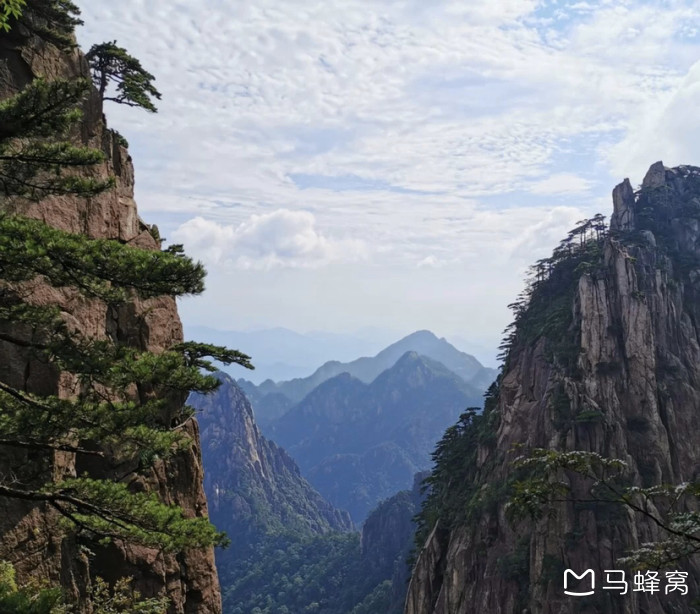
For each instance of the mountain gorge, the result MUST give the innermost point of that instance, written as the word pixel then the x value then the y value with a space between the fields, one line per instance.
pixel 291 549
pixel 604 360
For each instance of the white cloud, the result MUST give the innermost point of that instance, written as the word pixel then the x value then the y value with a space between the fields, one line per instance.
pixel 434 262
pixel 282 238
pixel 561 183
pixel 670 132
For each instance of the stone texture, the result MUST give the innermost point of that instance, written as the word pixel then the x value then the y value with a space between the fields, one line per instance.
pixel 623 207
pixel 637 329
pixel 30 536
pixel 253 486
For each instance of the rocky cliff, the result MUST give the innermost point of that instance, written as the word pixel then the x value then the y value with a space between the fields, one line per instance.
pixel 253 486
pixel 387 541
pixel 30 536
pixel 609 363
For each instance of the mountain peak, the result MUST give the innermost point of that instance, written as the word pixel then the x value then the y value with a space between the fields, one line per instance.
pixel 421 334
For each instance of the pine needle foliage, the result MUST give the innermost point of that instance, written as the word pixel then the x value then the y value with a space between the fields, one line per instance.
pixel 125 412
pixel 112 65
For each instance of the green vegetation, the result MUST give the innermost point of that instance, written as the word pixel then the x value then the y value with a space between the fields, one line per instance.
pixel 453 494
pixel 35 598
pixel 30 599
pixel 9 10
pixel 36 157
pixel 126 410
pixel 321 574
pixel 545 308
pixel 607 484
pixel 51 20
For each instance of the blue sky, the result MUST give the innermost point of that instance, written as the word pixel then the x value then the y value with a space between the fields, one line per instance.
pixel 396 164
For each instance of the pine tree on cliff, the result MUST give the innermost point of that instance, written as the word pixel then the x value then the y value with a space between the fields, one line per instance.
pixel 121 412
pixel 111 64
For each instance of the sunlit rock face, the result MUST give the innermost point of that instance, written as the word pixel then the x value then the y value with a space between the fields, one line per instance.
pixel 634 373
pixel 30 536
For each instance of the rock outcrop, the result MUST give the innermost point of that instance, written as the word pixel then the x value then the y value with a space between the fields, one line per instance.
pixel 30 536
pixel 630 389
pixel 253 486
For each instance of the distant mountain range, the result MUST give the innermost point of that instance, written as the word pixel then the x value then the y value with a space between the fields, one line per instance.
pixel 281 354
pixel 272 399
pixel 359 443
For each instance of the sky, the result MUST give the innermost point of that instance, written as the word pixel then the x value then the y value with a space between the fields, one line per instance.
pixel 345 164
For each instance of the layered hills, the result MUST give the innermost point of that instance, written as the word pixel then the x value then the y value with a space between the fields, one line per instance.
pixel 272 399
pixel 359 443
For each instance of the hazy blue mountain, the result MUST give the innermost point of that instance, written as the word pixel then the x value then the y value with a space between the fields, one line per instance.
pixel 366 369
pixel 359 443
pixel 281 354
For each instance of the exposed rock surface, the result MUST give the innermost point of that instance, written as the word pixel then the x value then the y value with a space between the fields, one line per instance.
pixel 253 486
pixel 636 334
pixel 30 537
pixel 388 539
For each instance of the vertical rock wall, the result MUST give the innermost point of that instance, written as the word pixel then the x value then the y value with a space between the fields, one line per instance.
pixel 30 536
pixel 636 332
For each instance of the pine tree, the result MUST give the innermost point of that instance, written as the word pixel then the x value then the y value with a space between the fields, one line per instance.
pixel 122 412
pixel 111 64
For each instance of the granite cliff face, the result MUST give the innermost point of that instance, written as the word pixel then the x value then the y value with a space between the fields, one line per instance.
pixel 623 380
pixel 29 533
pixel 253 486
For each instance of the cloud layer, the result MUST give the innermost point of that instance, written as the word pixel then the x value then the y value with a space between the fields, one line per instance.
pixel 403 140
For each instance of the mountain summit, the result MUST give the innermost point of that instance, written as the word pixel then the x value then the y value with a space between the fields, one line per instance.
pixel 359 443
pixel 271 400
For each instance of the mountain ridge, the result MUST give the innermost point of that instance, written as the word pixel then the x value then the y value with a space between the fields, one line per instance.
pixel 359 443
pixel 253 486
pixel 269 405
